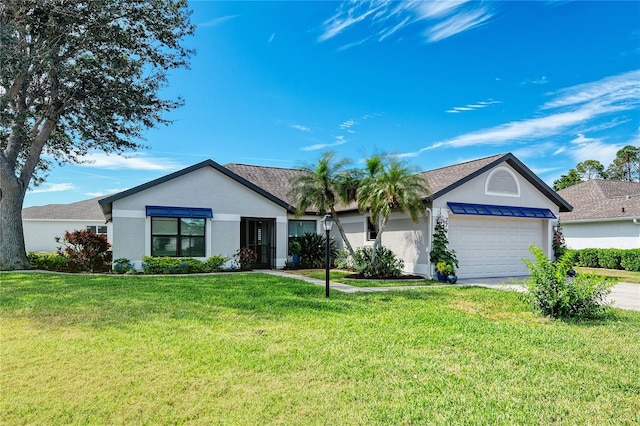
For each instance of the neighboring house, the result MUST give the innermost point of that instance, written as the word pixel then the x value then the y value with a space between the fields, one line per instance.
pixel 42 224
pixel 606 214
pixel 495 208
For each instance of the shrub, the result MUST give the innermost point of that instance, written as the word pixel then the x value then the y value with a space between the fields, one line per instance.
pixel 558 243
pixel 122 265
pixel 610 258
pixel 313 250
pixel 181 265
pixel 85 250
pixel 555 294
pixel 245 258
pixel 589 258
pixel 214 263
pixel 48 261
pixel 386 265
pixel 344 260
pixel 630 260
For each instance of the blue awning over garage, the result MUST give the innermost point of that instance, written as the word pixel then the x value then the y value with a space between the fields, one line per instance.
pixel 507 211
pixel 193 212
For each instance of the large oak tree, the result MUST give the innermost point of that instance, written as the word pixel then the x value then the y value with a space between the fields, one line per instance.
pixel 78 76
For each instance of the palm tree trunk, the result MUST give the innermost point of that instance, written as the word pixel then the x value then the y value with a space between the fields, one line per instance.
pixel 342 233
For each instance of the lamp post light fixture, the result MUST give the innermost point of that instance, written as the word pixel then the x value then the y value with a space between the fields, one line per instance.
pixel 327 224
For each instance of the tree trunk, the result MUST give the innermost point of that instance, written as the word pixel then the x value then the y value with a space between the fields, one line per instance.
pixel 12 248
pixel 342 234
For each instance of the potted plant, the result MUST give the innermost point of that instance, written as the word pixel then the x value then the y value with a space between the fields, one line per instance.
pixel 440 252
pixel 442 270
pixel 294 252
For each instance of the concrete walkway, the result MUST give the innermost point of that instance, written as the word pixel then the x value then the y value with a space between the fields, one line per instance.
pixel 623 295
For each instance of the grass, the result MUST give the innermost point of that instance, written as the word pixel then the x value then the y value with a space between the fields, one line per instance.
pixel 258 349
pixel 625 276
pixel 339 276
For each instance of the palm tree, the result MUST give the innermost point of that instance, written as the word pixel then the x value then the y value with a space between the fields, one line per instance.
pixel 390 184
pixel 323 185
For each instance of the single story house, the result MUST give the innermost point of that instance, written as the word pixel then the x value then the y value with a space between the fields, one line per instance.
pixel 606 214
pixel 494 207
pixel 42 224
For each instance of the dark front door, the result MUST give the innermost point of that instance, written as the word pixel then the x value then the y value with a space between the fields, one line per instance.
pixel 257 234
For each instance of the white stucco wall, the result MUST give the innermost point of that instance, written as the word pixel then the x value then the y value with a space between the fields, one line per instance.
pixel 202 188
pixel 614 233
pixel 40 234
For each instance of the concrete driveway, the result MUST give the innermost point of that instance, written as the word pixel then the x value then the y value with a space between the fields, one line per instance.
pixel 623 295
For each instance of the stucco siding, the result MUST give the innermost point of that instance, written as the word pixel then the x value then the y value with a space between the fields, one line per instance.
pixel 622 234
pixel 129 239
pixel 40 235
pixel 229 201
pixel 408 240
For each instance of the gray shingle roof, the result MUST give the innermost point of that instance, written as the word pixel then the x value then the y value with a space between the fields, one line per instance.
pixel 602 199
pixel 81 210
pixel 274 180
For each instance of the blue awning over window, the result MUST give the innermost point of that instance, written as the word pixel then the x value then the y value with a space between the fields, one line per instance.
pixel 193 212
pixel 508 211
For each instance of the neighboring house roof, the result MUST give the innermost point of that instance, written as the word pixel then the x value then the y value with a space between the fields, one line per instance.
pixel 598 199
pixel 81 210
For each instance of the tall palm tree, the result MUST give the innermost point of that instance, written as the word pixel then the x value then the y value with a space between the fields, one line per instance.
pixel 390 184
pixel 323 185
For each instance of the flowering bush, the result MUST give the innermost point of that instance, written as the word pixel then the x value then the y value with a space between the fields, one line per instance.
pixel 559 245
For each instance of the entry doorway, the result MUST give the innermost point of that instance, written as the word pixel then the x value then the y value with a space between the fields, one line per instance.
pixel 257 234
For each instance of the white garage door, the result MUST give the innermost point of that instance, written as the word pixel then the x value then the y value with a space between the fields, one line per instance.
pixel 493 247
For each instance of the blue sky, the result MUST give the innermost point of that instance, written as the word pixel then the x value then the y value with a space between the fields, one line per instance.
pixel 278 83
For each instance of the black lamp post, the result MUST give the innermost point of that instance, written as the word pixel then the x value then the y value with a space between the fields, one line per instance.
pixel 327 224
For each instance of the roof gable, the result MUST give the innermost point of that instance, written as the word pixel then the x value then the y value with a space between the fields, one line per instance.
pixel 446 179
pixel 107 203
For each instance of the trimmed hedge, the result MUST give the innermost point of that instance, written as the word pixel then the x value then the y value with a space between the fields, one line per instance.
pixel 628 260
pixel 181 265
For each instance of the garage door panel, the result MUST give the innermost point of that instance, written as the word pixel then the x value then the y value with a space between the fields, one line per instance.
pixel 493 247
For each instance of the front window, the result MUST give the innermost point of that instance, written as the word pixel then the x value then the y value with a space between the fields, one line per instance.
pixel 100 230
pixel 372 232
pixel 175 236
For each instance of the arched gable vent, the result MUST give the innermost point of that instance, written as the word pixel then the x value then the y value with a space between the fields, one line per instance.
pixel 502 181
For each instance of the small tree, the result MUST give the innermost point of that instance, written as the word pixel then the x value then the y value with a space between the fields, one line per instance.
pixel 440 251
pixel 86 250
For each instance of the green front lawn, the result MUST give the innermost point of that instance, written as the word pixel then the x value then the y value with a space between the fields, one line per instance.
pixel 339 276
pixel 625 276
pixel 259 349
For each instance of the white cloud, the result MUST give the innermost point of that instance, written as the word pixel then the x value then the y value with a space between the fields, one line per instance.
pixel 472 107
pixel 217 21
pixel 301 128
pixel 53 187
pixel 584 148
pixel 575 107
pixel 340 140
pixel 134 162
pixel 439 19
pixel 348 124
pixel 458 23
pixel 271 38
